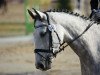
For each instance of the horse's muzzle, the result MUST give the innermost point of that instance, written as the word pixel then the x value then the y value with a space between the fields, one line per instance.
pixel 42 67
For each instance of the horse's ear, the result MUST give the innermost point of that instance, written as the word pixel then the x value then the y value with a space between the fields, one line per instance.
pixel 35 14
pixel 32 14
pixel 39 14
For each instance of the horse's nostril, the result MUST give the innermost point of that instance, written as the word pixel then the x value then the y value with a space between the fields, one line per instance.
pixel 40 65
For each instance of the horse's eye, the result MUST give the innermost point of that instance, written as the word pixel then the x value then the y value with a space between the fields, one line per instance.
pixel 42 34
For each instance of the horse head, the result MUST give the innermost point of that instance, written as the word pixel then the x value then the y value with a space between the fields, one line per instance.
pixel 47 41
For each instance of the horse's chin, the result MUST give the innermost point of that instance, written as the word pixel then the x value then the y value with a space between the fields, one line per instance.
pixel 44 69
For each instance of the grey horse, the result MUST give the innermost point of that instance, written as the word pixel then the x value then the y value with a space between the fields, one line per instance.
pixel 80 33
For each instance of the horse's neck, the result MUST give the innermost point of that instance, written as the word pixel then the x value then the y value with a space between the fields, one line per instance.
pixel 87 46
pixel 73 25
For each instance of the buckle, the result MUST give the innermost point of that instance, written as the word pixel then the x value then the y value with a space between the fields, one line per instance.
pixel 51 27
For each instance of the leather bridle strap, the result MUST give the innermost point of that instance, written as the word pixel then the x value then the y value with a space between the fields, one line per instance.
pixel 42 50
pixel 45 51
pixel 50 34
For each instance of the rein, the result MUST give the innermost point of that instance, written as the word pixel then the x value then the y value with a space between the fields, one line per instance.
pixel 62 45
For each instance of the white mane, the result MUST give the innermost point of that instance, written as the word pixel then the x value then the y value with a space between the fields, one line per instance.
pixel 71 20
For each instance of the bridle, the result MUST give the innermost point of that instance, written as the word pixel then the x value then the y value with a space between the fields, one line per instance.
pixel 62 45
pixel 50 50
